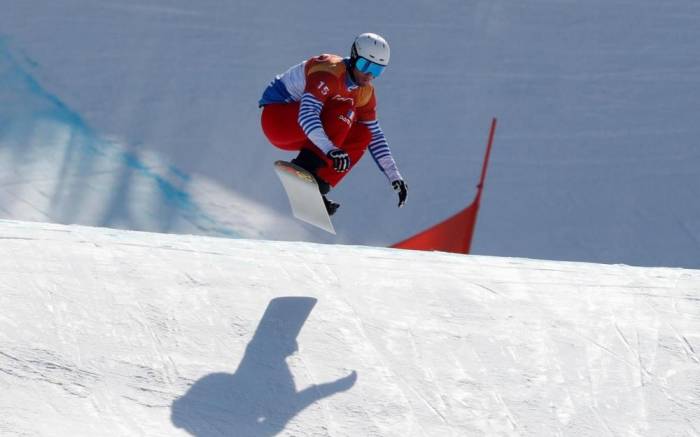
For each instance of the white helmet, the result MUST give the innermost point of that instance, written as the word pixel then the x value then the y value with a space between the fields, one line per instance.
pixel 372 47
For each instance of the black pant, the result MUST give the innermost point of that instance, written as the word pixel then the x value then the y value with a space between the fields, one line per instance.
pixel 311 162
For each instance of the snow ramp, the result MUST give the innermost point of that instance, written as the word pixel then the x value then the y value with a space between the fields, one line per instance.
pixel 114 333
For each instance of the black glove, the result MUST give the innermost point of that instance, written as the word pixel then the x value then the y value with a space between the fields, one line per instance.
pixel 341 160
pixel 401 188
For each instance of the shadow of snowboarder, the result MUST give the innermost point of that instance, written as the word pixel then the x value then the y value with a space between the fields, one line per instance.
pixel 260 398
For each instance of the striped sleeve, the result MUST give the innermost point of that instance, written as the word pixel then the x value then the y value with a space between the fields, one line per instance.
pixel 310 121
pixel 379 149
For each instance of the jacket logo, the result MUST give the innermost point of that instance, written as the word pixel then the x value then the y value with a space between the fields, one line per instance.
pixel 340 98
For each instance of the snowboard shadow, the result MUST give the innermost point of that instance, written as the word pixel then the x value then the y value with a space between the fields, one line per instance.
pixel 260 398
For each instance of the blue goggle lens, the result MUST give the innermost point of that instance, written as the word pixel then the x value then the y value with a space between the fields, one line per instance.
pixel 367 66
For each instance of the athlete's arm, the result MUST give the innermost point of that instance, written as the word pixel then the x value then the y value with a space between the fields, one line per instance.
pixel 381 153
pixel 318 88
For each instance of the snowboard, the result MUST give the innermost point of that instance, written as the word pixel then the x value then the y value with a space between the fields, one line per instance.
pixel 304 196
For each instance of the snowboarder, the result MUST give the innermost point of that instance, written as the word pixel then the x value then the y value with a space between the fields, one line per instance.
pixel 325 108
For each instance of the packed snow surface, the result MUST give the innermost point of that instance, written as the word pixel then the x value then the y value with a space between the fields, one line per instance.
pixel 113 333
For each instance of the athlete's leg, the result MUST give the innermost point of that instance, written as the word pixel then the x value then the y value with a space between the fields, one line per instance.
pixel 280 126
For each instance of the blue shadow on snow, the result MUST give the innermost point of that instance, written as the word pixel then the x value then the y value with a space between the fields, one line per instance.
pixel 260 397
pixel 26 107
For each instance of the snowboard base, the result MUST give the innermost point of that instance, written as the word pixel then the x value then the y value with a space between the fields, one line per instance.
pixel 304 196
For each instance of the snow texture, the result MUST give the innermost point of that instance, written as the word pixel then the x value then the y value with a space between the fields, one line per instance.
pixel 113 333
pixel 141 114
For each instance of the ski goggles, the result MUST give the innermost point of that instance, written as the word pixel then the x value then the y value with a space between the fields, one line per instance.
pixel 367 66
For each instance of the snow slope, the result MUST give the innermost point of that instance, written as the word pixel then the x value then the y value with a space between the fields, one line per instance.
pixel 595 158
pixel 108 332
pixel 57 168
